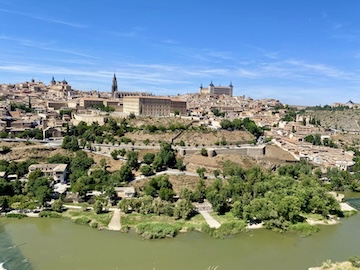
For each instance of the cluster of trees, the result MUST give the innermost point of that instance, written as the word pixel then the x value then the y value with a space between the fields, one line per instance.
pixel 34 133
pixel 112 132
pixel 149 205
pixel 21 106
pixel 165 158
pixel 290 115
pixel 217 113
pixel 158 199
pixel 103 108
pixel 118 152
pixel 160 186
pixel 242 124
pixel 17 194
pixel 278 199
pixel 328 108
pixel 340 180
pixel 18 168
pixel 314 121
pixel 172 127
pixel 70 143
pixel 316 140
pixel 65 111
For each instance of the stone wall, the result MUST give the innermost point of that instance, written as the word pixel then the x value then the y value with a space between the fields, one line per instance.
pixel 251 151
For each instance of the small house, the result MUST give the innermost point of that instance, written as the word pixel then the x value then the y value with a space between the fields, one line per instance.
pixel 125 192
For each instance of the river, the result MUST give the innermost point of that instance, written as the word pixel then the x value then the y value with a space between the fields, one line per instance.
pixel 60 244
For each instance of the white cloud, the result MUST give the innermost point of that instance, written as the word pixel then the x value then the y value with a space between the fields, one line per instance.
pixel 49 20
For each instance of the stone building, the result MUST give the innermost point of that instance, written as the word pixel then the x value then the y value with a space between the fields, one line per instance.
pixel 86 103
pixel 59 88
pixel 217 90
pixel 58 172
pixel 152 105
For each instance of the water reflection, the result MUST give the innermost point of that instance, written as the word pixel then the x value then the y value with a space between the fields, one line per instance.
pixel 60 244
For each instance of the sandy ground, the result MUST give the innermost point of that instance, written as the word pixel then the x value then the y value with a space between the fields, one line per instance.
pixel 255 226
pixel 346 207
pixel 335 266
pixel 322 222
pixel 115 224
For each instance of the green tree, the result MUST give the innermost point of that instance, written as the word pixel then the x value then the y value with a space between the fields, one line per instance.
pixel 81 187
pixel 167 155
pixel 200 190
pixel 148 158
pixel 180 164
pixel 6 188
pixel 158 163
pixel 132 159
pixel 146 170
pixel 216 173
pixel 98 207
pixel 237 209
pixel 43 194
pixel 183 209
pixel 204 152
pixel 123 175
pixel 4 203
pixel 5 149
pixel 70 143
pixel 166 193
pixel 159 186
pixel 57 205
pixel 226 124
pixel 114 154
pixel 201 172
pixel 182 143
pixel 33 176
pixel 289 208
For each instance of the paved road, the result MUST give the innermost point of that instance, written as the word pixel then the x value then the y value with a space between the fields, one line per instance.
pixel 212 222
pixel 115 224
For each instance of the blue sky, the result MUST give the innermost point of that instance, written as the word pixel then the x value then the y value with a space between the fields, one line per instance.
pixel 302 52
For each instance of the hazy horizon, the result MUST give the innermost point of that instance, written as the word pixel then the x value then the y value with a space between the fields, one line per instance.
pixel 299 53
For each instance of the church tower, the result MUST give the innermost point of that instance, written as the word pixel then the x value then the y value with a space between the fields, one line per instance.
pixel 52 82
pixel 114 87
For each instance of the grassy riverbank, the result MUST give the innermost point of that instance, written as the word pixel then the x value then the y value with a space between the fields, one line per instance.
pixel 151 226
pixel 99 221
pixel 154 226
pixel 78 216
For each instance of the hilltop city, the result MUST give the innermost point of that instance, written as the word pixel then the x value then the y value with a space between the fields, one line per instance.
pixel 207 160
pixel 208 106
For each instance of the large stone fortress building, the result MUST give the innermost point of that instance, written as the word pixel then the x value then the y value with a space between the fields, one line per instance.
pixel 217 90
pixel 152 105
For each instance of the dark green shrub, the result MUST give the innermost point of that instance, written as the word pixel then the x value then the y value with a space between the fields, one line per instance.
pixel 16 215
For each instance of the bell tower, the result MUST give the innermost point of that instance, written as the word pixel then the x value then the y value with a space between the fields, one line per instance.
pixel 114 87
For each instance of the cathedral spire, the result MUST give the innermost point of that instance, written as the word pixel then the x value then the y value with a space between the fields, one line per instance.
pixel 114 87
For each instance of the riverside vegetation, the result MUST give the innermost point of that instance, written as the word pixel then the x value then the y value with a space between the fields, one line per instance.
pixel 281 199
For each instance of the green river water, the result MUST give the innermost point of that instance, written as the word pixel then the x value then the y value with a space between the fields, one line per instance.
pixel 44 244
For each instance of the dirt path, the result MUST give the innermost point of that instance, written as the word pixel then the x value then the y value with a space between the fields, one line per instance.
pixel 115 224
pixel 212 222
